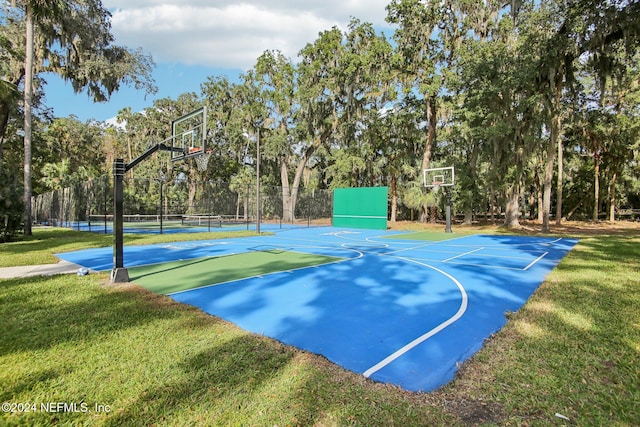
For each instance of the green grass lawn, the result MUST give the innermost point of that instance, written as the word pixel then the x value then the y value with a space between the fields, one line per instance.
pixel 122 355
pixel 45 242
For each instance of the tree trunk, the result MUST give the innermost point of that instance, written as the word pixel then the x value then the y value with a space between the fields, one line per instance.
pixel 394 198
pixel 492 204
pixel 28 94
pixel 560 182
pixel 512 208
pixel 428 146
pixel 575 208
pixel 596 186
pixel 548 178
pixel 193 190
pixel 473 169
pixel 612 196
pixel 539 197
pixel 245 205
pixel 290 199
pixel 556 85
pixel 468 218
pixel 287 199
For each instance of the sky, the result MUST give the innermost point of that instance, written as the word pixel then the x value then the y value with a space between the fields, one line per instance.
pixel 190 40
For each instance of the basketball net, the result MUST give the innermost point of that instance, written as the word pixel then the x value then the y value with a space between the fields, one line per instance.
pixel 436 186
pixel 202 161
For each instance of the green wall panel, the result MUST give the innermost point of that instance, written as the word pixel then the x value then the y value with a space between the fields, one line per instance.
pixel 364 207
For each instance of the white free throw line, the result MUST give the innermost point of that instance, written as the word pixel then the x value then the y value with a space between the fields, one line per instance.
pixel 463 307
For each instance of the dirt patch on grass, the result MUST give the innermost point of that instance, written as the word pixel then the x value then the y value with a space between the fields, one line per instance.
pixel 600 228
pixel 573 228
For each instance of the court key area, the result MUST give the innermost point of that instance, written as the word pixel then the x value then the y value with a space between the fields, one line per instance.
pixel 384 304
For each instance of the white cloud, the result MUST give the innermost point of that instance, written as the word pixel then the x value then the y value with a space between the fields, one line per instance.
pixel 227 34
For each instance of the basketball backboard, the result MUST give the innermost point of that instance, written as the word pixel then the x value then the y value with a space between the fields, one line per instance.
pixel 439 177
pixel 189 134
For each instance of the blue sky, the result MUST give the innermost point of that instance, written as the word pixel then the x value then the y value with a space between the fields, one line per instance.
pixel 191 40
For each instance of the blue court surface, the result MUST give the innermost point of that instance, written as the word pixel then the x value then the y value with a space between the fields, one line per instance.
pixel 406 312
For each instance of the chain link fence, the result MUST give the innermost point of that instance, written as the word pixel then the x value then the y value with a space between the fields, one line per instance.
pixel 89 205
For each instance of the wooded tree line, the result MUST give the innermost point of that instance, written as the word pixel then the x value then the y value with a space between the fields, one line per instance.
pixel 70 38
pixel 535 103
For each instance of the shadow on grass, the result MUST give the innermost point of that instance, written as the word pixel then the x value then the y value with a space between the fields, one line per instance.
pixel 252 380
pixel 233 378
pixel 57 239
pixel 50 240
pixel 39 312
pixel 225 380
pixel 218 383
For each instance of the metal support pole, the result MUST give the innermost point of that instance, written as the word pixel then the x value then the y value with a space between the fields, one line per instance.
pixel 106 187
pixel 119 274
pixel 258 182
pixel 161 206
pixel 448 211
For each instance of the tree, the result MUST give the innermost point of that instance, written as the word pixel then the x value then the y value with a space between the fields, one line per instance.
pixel 81 144
pixel 275 77
pixel 364 89
pixel 418 58
pixel 317 93
pixel 581 27
pixel 241 183
pixel 225 103
pixel 71 38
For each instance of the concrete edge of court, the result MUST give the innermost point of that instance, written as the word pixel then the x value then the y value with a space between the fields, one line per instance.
pixel 62 267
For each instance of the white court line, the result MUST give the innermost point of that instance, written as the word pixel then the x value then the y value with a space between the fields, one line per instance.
pixel 261 276
pixel 508 245
pixel 487 266
pixel 473 264
pixel 535 261
pixel 463 307
pixel 411 248
pixel 181 260
pixel 463 254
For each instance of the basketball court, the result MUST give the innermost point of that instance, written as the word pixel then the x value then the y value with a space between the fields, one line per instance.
pixel 391 306
pixel 387 305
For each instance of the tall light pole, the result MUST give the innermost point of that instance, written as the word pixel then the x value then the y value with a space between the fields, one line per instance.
pixel 258 181
pixel 246 135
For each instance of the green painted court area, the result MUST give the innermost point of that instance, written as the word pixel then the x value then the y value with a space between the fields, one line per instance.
pixel 175 276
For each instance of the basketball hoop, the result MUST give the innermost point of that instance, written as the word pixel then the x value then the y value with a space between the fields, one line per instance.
pixel 202 160
pixel 435 178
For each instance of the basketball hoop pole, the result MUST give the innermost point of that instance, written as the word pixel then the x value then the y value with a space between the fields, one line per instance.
pixel 119 274
pixel 447 228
